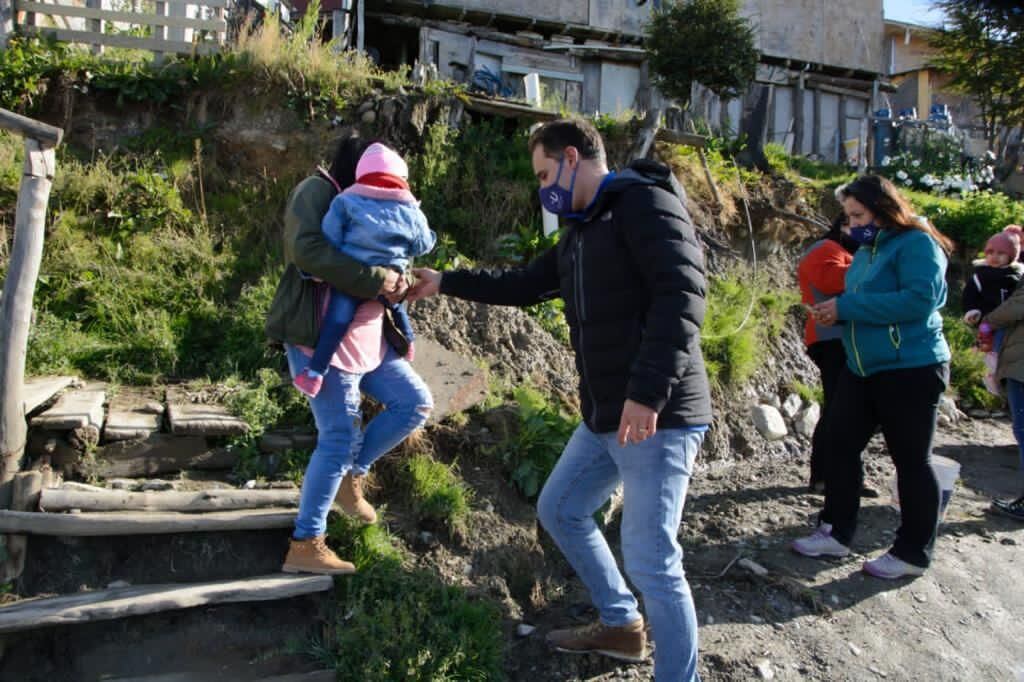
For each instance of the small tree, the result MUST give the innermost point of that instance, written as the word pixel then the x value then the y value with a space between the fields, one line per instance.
pixel 706 41
pixel 982 49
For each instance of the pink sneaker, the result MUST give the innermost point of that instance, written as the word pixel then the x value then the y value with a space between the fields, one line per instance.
pixel 889 567
pixel 307 383
pixel 820 543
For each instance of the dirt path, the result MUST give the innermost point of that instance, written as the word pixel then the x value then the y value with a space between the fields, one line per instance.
pixel 826 620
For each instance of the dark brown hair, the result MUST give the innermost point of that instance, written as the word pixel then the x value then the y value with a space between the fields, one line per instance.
pixel 890 208
pixel 555 136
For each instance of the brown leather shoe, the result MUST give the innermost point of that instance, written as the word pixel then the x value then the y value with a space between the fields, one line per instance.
pixel 314 556
pixel 626 643
pixel 350 497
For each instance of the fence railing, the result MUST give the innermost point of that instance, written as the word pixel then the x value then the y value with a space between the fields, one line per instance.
pixel 178 26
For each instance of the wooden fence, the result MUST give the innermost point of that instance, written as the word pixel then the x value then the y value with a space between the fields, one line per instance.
pixel 173 30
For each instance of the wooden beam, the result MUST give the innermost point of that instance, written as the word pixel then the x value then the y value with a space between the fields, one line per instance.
pixel 60 499
pixel 25 497
pixel 91 524
pixel 46 135
pixel 133 42
pixel 844 92
pixel 121 602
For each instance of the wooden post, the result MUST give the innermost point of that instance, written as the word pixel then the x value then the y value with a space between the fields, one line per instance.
pixel 360 25
pixel 19 287
pixel 27 487
pixel 159 31
pixel 95 25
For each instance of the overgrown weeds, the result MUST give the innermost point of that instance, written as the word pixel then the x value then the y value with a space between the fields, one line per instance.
pixel 436 493
pixel 530 453
pixel 967 367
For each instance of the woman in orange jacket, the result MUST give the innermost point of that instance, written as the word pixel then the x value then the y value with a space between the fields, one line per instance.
pixel 821 274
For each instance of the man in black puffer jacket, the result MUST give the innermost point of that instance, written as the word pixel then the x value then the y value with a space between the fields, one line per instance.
pixel 630 270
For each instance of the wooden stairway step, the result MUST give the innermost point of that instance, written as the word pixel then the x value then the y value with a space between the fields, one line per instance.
pixel 315 676
pixel 140 523
pixel 137 600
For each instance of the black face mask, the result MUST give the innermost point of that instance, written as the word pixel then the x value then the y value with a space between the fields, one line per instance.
pixel 844 240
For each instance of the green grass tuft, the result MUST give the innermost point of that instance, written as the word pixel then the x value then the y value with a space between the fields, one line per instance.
pixel 436 492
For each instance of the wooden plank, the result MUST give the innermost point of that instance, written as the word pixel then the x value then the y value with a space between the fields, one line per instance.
pixel 26 488
pixel 127 17
pixel 197 419
pixel 678 137
pixel 93 524
pixel 49 135
pixel 130 424
pixel 508 109
pixel 40 389
pixel 137 600
pixel 131 42
pixel 74 410
pixel 103 500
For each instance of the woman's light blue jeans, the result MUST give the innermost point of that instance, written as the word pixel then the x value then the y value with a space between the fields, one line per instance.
pixel 655 475
pixel 342 444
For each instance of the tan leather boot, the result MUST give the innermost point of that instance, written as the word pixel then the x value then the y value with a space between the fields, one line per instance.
pixel 626 643
pixel 350 497
pixel 314 556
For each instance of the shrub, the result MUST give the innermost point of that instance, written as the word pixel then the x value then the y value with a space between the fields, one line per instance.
pixel 966 368
pixel 742 318
pixel 977 217
pixel 436 492
pixel 531 452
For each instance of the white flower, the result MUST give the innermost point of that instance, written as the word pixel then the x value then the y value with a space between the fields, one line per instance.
pixel 908 182
pixel 915 163
pixel 886 161
pixel 902 175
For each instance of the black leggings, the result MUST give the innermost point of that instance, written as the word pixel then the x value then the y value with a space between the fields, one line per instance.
pixel 830 358
pixel 904 403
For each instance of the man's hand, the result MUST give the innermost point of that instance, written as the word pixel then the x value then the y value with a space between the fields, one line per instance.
pixel 428 284
pixel 972 317
pixel 638 423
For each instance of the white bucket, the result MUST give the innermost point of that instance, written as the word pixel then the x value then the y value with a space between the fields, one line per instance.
pixel 947 471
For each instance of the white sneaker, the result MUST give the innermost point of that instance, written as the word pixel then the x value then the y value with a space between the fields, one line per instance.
pixel 890 568
pixel 820 544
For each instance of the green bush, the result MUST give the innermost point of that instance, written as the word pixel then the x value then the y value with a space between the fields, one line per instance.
pixel 436 492
pixel 977 217
pixel 531 452
pixel 966 368
pixel 732 341
pixel 393 623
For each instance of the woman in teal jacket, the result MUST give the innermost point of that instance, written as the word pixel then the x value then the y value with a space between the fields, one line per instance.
pixel 897 367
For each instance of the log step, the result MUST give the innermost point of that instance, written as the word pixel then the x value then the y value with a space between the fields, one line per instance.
pixel 137 600
pixel 103 500
pixel 315 676
pixel 140 523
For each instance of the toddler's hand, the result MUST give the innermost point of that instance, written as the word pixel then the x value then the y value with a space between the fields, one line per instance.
pixel 972 317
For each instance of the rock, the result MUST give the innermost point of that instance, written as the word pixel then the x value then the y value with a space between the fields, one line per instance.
pixel 753 566
pixel 769 422
pixel 764 669
pixel 157 484
pixel 249 485
pixel 948 408
pixel 427 539
pixel 791 405
pixel 368 116
pixel 153 407
pixel 854 649
pixel 1008 541
pixel 488 506
pixel 771 399
pixel 943 420
pixel 756 620
pixel 524 630
pixel 807 419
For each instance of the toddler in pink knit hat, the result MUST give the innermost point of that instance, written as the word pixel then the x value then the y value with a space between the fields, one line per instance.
pixel 993 280
pixel 376 221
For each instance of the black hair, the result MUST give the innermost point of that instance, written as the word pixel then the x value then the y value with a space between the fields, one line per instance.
pixel 346 157
pixel 555 136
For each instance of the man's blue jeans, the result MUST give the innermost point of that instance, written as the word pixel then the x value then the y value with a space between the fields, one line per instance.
pixel 655 475
pixel 342 444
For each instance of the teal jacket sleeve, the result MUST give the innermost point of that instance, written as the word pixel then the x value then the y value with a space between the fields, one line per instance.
pixel 921 272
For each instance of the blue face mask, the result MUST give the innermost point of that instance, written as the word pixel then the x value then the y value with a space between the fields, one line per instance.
pixel 555 198
pixel 864 234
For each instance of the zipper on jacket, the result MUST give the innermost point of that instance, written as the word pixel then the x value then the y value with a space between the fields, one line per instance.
pixel 581 316
pixel 853 324
pixel 894 336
